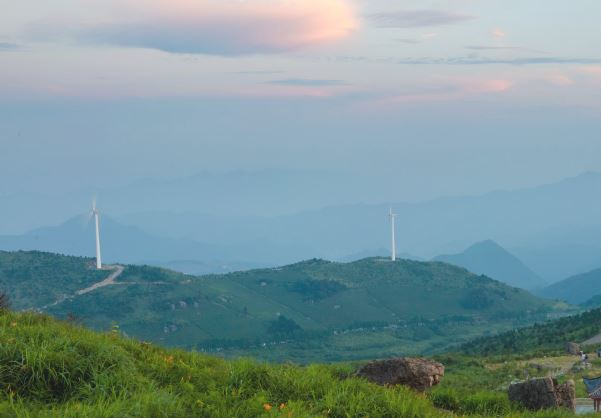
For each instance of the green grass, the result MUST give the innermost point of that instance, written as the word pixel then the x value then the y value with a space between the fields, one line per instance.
pixel 50 368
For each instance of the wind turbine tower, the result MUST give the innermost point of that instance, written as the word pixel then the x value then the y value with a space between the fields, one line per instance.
pixel 96 215
pixel 393 249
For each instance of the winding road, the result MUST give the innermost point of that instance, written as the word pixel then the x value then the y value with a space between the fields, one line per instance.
pixel 110 280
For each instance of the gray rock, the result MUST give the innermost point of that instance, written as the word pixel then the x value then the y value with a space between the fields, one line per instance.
pixel 419 374
pixel 573 348
pixel 543 393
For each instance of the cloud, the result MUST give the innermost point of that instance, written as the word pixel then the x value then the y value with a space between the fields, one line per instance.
pixel 491 61
pixel 498 33
pixel 499 48
pixel 417 18
pixel 488 86
pixel 449 91
pixel 219 27
pixel 591 70
pixel 308 82
pixel 8 46
pixel 559 80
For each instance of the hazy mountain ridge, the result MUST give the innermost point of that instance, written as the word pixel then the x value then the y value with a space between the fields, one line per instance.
pixel 492 260
pixel 551 228
pixel 124 244
pixel 577 289
pixel 526 221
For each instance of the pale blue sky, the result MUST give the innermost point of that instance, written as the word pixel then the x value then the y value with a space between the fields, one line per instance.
pixel 444 97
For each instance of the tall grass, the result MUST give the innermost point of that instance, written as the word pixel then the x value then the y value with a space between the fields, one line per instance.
pixel 57 369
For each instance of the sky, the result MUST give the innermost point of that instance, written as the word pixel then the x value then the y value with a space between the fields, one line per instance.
pixel 433 97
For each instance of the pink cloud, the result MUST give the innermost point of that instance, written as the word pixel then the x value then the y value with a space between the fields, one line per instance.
pixel 487 86
pixel 559 80
pixel 452 91
pixel 591 70
pixel 221 27
pixel 498 33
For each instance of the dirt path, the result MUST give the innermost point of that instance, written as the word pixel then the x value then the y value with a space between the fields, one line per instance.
pixel 110 280
pixel 106 282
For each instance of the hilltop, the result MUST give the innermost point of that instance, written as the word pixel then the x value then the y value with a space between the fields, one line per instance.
pixel 34 279
pixel 489 258
pixel 314 310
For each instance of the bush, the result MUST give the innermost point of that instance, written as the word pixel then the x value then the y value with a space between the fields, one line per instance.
pixel 283 327
pixel 4 302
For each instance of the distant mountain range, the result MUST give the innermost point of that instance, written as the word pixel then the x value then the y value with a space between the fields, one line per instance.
pixel 310 310
pixel 127 244
pixel 577 289
pixel 492 260
pixel 553 229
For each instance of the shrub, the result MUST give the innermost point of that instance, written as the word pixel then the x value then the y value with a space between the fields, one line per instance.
pixel 4 302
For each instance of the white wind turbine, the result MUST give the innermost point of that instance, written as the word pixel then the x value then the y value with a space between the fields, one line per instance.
pixel 393 249
pixel 95 214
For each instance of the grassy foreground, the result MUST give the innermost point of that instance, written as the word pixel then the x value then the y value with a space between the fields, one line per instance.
pixel 50 368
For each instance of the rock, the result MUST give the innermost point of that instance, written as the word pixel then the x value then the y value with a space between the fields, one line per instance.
pixel 566 395
pixel 543 393
pixel 419 374
pixel 573 348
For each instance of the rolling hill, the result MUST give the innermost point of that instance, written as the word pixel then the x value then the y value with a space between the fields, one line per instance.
pixel 492 260
pixel 35 279
pixel 576 289
pixel 314 310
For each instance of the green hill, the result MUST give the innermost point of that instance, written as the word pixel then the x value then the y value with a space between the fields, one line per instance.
pixel 576 289
pixel 314 310
pixel 34 279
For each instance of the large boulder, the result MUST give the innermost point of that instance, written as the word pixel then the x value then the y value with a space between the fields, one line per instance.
pixel 543 393
pixel 420 374
pixel 573 348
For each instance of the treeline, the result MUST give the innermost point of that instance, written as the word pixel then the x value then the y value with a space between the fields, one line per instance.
pixel 539 338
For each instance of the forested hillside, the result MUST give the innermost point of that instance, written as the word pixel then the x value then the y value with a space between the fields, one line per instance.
pixel 314 310
pixel 540 338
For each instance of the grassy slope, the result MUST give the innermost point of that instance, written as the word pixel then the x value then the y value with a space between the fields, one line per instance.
pixel 54 369
pixel 369 308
